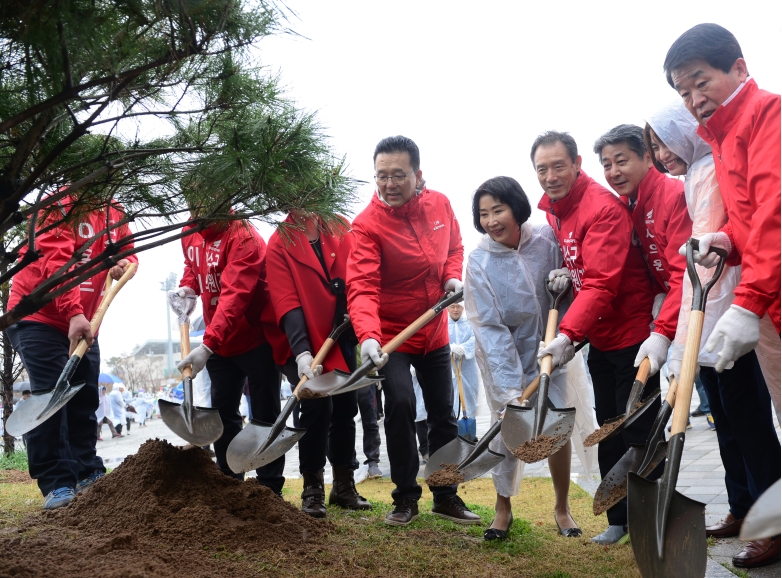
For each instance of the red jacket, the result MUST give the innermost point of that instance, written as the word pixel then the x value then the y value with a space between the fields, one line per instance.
pixel 611 284
pixel 299 281
pixel 745 137
pixel 663 225
pixel 226 266
pixel 402 258
pixel 57 247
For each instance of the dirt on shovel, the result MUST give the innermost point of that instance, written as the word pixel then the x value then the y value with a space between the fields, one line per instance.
pixel 607 428
pixel 538 448
pixel 447 476
pixel 165 512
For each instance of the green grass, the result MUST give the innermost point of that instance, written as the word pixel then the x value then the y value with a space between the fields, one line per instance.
pixel 736 571
pixel 15 461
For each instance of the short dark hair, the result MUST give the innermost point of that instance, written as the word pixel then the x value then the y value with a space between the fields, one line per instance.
pixel 648 130
pixel 399 144
pixel 551 137
pixel 630 134
pixel 710 42
pixel 506 190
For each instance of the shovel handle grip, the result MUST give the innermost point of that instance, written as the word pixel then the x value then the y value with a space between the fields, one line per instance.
pixel 110 291
pixel 409 331
pixel 643 370
pixel 687 376
pixel 184 344
pixel 670 397
pixel 546 365
pixel 316 361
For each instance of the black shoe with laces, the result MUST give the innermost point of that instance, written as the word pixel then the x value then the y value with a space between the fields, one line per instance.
pixel 404 512
pixel 453 508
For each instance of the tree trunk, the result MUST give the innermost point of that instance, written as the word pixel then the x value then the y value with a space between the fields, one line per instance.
pixel 8 389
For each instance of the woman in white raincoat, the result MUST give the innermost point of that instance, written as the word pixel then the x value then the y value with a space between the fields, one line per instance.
pixel 118 412
pixel 507 308
pixel 463 355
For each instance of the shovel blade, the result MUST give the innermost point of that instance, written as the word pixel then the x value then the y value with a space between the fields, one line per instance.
pixel 459 450
pixel 243 453
pixel 613 488
pixel 199 426
pixel 468 428
pixel 518 427
pixel 684 544
pixel 37 408
pixel 645 404
pixel 481 465
pixel 334 383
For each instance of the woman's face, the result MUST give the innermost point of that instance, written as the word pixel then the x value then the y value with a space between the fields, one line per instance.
pixel 498 221
pixel 676 166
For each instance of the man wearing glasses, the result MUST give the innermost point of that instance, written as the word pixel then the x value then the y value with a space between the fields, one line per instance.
pixel 408 250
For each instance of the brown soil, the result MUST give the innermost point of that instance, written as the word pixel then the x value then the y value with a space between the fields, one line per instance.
pixel 604 500
pixel 537 449
pixel 306 393
pixel 15 477
pixel 164 512
pixel 599 434
pixel 447 476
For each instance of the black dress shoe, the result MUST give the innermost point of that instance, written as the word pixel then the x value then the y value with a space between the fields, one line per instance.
pixel 567 532
pixel 496 534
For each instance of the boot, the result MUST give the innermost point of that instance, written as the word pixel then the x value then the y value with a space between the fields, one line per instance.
pixel 313 496
pixel 343 492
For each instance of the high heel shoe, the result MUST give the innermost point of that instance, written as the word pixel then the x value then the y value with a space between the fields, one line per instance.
pixel 568 532
pixel 496 534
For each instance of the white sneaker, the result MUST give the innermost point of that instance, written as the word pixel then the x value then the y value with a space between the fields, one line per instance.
pixel 612 535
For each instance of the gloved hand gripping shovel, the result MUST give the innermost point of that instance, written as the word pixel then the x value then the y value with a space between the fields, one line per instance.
pixel 336 382
pixel 533 434
pixel 639 459
pixel 261 443
pixel 467 425
pixel 200 426
pixel 667 529
pixel 40 406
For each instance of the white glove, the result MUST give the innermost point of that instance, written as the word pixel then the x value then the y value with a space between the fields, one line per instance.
pixel 457 350
pixel 561 350
pixel 197 359
pixel 656 349
pixel 304 363
pixel 675 369
pixel 739 331
pixel 185 291
pixel 453 286
pixel 658 304
pixel 701 255
pixel 558 280
pixel 370 349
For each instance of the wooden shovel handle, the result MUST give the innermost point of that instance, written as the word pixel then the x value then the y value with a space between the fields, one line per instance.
pixel 687 376
pixel 670 397
pixel 546 362
pixel 320 356
pixel 408 332
pixel 184 344
pixel 110 292
pixel 643 370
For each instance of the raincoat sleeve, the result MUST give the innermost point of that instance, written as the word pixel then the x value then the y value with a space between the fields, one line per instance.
pixel 501 368
pixel 469 344
pixel 363 285
pixel 455 261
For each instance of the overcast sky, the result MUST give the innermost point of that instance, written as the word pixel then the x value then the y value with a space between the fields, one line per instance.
pixel 473 84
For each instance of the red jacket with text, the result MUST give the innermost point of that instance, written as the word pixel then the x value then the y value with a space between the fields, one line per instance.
pixel 612 287
pixel 226 265
pixel 745 137
pixel 299 281
pixel 663 225
pixel 57 247
pixel 402 258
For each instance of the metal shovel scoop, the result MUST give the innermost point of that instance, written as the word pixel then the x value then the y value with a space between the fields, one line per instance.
pixel 261 443
pixel 200 426
pixel 633 410
pixel 533 434
pixel 41 405
pixel 472 459
pixel 336 382
pixel 762 520
pixel 668 529
pixel 639 459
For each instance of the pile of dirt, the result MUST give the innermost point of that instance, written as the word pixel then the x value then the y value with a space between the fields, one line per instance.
pixel 446 476
pixel 15 477
pixel 539 448
pixel 165 511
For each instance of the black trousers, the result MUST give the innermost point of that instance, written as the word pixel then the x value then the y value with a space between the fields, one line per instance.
pixel 61 450
pixel 749 448
pixel 613 375
pixel 434 375
pixel 228 376
pixel 367 406
pixel 330 424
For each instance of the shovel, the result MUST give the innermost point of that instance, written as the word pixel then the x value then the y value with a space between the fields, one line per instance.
pixel 639 459
pixel 199 426
pixel 762 520
pixel 668 529
pixel 41 405
pixel 615 425
pixel 466 425
pixel 260 443
pixel 532 434
pixel 336 382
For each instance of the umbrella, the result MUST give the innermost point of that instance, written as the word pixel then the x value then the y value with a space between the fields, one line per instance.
pixel 109 378
pixel 22 386
pixel 198 327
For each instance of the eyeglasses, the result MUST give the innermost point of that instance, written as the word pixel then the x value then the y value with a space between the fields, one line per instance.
pixel 396 179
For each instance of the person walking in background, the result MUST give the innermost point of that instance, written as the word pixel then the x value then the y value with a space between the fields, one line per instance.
pixel 421 427
pixel 367 407
pixel 463 361
pixel 103 414
pixel 118 412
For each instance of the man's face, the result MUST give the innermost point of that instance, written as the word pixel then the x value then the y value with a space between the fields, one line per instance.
pixel 624 170
pixel 455 311
pixel 396 165
pixel 704 88
pixel 556 170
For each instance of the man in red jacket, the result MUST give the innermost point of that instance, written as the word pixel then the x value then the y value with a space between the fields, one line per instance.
pixel 742 124
pixel 408 251
pixel 44 341
pixel 308 298
pixel 662 225
pixel 226 265
pixel 613 295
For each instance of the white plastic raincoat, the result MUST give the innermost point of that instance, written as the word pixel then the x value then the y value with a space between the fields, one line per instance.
pixel 676 127
pixel 507 307
pixel 420 407
pixel 117 407
pixel 460 333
